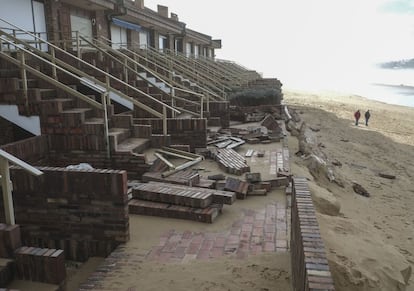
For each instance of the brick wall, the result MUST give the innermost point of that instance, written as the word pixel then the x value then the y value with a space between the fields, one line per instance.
pixel 310 269
pixel 29 150
pixel 220 109
pixel 182 131
pixel 85 213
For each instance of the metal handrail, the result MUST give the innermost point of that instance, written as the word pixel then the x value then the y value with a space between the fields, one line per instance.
pixel 106 85
pixel 126 66
pixel 46 77
pixel 194 61
pixel 164 57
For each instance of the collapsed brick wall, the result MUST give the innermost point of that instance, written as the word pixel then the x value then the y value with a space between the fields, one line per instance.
pixel 310 269
pixel 85 213
pixel 182 131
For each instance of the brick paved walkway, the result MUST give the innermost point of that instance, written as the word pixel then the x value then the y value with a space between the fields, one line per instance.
pixel 255 232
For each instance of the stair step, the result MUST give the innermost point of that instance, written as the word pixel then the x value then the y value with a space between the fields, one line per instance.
pixel 135 145
pixel 9 73
pixel 94 126
pixel 117 136
pixel 46 94
pixel 75 117
pixel 31 83
pixel 56 105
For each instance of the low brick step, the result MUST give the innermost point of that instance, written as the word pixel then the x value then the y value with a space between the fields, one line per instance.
pixel 187 177
pixel 207 215
pixel 231 161
pixel 133 145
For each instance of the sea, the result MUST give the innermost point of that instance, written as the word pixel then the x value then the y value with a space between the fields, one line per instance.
pixel 392 86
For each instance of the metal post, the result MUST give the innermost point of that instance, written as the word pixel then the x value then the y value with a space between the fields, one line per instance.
pixel 173 101
pixel 126 71
pixel 54 73
pixel 202 107
pixel 106 126
pixel 164 120
pixel 7 191
pixel 24 79
pixel 78 50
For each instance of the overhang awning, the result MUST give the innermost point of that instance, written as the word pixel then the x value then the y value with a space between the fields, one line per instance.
pixel 126 24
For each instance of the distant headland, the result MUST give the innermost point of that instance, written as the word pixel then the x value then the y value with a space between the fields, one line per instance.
pixel 401 64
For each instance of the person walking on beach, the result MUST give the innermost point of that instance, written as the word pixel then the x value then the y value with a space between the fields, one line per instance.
pixel 367 116
pixel 357 115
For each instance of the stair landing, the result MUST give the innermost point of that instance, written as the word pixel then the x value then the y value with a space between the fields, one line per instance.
pixel 135 144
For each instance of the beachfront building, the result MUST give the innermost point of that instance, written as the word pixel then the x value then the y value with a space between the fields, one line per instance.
pixel 87 85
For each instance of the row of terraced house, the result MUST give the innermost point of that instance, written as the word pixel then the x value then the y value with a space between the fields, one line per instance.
pixel 98 82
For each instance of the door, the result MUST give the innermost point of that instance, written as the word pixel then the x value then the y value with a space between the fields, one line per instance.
pixel 118 36
pixel 82 25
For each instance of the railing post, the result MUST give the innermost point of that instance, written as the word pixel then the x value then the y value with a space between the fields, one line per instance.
pixel 7 191
pixel 78 50
pixel 54 73
pixel 126 71
pixel 201 107
pixel 108 85
pixel 164 120
pixel 104 97
pixel 208 103
pixel 173 100
pixel 24 79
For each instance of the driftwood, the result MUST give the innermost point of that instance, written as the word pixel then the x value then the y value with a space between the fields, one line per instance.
pixel 386 176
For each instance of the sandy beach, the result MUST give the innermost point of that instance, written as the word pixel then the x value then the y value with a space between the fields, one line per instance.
pixel 369 240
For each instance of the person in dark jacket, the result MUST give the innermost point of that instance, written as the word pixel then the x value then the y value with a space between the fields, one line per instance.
pixel 357 115
pixel 367 116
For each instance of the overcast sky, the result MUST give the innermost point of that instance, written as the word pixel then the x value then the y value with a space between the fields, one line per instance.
pixel 302 41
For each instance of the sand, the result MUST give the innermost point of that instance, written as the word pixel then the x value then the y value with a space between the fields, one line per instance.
pixel 370 243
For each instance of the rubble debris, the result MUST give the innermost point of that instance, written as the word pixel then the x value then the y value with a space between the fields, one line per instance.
pixel 81 166
pixel 165 151
pixel 240 187
pixel 207 215
pixel 249 153
pixel 231 161
pixel 216 177
pixel 360 190
pixel 315 129
pixel 253 177
pixel 271 124
pixel 228 142
pixel 337 163
pixel 184 177
pixel 387 176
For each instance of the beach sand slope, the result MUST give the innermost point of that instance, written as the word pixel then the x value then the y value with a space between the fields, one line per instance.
pixel 369 240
